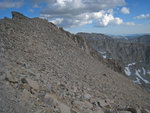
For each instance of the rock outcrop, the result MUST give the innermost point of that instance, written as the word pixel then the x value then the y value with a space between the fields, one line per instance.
pixel 44 70
pixel 130 57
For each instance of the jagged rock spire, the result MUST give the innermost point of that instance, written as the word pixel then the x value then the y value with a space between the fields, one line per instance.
pixel 18 16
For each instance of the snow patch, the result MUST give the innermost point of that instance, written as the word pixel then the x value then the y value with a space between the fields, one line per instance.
pixel 131 64
pixel 144 72
pixel 148 72
pixel 127 71
pixel 139 70
pixel 103 54
pixel 137 81
pixel 137 73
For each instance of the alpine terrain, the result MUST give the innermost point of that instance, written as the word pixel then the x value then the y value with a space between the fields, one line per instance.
pixel 44 69
pixel 132 55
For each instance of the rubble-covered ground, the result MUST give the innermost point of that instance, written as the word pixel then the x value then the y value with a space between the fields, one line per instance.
pixel 42 70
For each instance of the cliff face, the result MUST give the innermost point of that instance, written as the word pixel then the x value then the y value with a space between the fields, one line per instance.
pixel 144 40
pixel 44 69
pixel 133 55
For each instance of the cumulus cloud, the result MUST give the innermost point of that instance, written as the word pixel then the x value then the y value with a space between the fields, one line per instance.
pixel 4 4
pixel 73 13
pixel 108 19
pixel 143 16
pixel 57 21
pixel 79 12
pixel 125 10
pixel 76 7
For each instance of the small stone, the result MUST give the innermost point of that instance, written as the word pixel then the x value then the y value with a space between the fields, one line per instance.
pixel 48 87
pixel 132 110
pixel 11 79
pixel 99 110
pixel 64 108
pixel 33 84
pixel 74 89
pixel 26 94
pixel 87 96
pixel 83 105
pixel 23 80
pixel 103 103
pixel 50 99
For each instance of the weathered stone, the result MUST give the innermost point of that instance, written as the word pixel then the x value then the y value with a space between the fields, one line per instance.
pixel 50 99
pixel 25 94
pixel 87 96
pixel 23 80
pixel 33 84
pixel 83 105
pixel 132 110
pixel 74 88
pixel 102 103
pixel 10 78
pixel 64 108
pixel 99 110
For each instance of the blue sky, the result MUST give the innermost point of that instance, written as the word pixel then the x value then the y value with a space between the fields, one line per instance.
pixel 118 17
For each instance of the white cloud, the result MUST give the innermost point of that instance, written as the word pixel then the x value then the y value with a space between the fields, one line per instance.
pixel 125 10
pixel 76 7
pixel 72 13
pixel 108 19
pixel 57 21
pixel 143 16
pixel 118 21
pixel 11 4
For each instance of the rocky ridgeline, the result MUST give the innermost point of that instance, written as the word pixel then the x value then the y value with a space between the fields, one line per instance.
pixel 144 40
pixel 44 69
pixel 130 57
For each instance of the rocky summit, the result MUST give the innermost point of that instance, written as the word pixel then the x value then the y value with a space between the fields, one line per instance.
pixel 44 69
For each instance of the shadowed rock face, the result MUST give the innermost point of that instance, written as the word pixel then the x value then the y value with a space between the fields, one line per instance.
pixel 144 40
pixel 133 56
pixel 44 69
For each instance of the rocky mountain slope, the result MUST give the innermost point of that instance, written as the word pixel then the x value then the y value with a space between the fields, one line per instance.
pixel 132 55
pixel 145 40
pixel 44 69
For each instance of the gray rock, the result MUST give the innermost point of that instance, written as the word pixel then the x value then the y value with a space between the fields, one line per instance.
pixel 87 96
pixel 25 94
pixel 64 108
pixel 33 84
pixel 50 99
pixel 103 103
